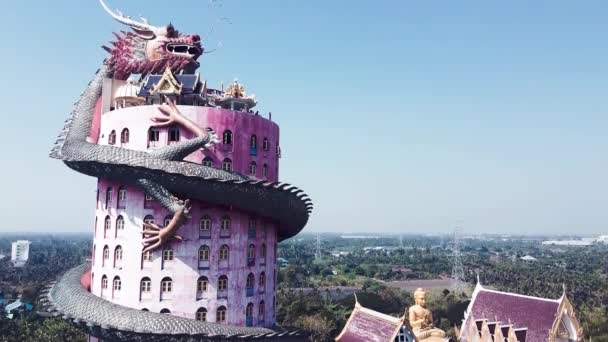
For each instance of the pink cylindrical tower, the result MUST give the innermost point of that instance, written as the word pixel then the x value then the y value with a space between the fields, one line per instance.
pixel 225 269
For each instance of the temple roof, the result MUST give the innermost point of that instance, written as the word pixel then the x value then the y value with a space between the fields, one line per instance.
pixel 365 325
pixel 534 313
pixel 185 84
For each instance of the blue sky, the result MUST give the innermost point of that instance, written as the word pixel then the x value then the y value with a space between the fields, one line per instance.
pixel 396 116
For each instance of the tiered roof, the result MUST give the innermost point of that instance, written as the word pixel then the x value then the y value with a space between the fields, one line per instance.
pixel 503 315
pixel 365 325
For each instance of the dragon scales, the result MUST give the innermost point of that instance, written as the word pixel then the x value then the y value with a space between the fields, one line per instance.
pixel 161 173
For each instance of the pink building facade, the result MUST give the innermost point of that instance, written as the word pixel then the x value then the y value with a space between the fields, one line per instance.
pixel 225 270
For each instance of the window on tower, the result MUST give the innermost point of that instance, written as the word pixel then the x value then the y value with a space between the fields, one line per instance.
pixel 145 288
pixel 122 197
pixel 208 161
pixel 225 227
pixel 253 145
pixel 222 287
pixel 220 316
pixel 118 257
pixel 109 194
pixel 266 144
pixel 252 169
pixel 112 138
pixel 249 315
pixel 227 165
pixel 227 137
pixel 251 255
pixel 250 284
pixel 106 256
pixel 261 311
pixel 166 288
pixel 153 136
pixel 124 136
pixel 204 231
pixel 117 284
pixel 262 282
pixel 173 134
pixel 202 287
pixel 201 315
pixel 104 285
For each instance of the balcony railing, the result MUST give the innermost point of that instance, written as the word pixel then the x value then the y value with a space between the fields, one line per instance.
pixel 250 292
pixel 222 294
pixel 253 151
pixel 250 261
pixel 226 147
pixel 204 234
pixel 251 233
pixel 224 233
pixel 249 321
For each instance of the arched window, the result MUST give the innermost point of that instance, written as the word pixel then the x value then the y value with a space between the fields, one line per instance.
pixel 94 256
pixel 120 225
pixel 222 287
pixel 117 284
pixel 251 230
pixel 208 161
pixel 173 134
pixel 261 311
pixel 227 137
pixel 249 315
pixel 225 227
pixel 165 311
pixel 203 253
pixel 112 138
pixel 220 316
pixel 153 136
pixel 167 220
pixel 252 168
pixel 253 145
pixel 251 255
pixel 264 170
pixel 204 227
pixel 250 284
pixel 109 194
pixel 202 286
pixel 104 285
pixel 144 309
pixel 107 225
pixel 166 288
pixel 227 165
pixel 203 257
pixel 168 254
pixel 263 252
pixel 117 256
pixel 122 197
pixel 224 253
pixel 149 219
pixel 201 315
pixel 124 136
pixel 265 144
pixel 262 282
pixel 106 255
pixel 145 288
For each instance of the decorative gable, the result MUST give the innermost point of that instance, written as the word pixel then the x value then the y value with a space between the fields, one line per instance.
pixel 167 85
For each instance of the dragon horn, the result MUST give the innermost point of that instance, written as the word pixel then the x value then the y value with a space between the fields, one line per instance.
pixel 143 29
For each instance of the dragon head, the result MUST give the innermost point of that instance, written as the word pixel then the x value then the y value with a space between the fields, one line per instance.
pixel 150 49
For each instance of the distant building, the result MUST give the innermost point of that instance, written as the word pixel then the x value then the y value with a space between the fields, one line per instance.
pixel 20 253
pixel 365 325
pixel 528 258
pixel 502 316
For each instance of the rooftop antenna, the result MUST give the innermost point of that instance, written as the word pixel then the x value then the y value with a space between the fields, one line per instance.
pixel 457 282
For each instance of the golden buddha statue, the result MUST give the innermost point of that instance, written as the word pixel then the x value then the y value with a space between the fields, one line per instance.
pixel 421 320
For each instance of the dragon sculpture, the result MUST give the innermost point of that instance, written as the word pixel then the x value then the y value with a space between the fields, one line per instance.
pixel 162 172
